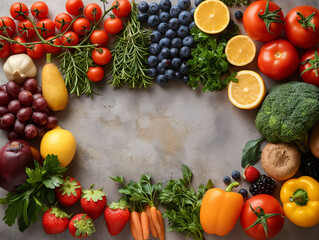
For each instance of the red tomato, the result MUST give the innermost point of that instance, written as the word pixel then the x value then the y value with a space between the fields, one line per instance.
pixel 124 8
pixel 26 29
pixel 4 49
pixel 36 51
pixel 81 26
pixel 299 31
pixel 51 49
pixel 39 10
pixel 46 27
pixel 74 7
pixel 62 21
pixel 113 25
pixel 70 38
pixel 278 59
pixel 269 205
pixel 7 25
pixel 93 12
pixel 99 37
pixel 17 48
pixel 18 11
pixel 101 56
pixel 254 24
pixel 310 61
pixel 95 74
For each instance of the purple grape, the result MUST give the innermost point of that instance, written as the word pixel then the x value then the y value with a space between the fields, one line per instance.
pixel 25 98
pixel 39 118
pixel 19 127
pixel 30 131
pixel 31 85
pixel 52 122
pixel 7 120
pixel 13 89
pixel 14 106
pixel 41 131
pixel 12 135
pixel 24 114
pixel 3 127
pixel 37 95
pixel 4 98
pixel 47 111
pixel 3 87
pixel 39 89
pixel 3 110
pixel 39 104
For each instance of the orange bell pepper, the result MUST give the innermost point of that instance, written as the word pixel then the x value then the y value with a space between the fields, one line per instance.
pixel 220 210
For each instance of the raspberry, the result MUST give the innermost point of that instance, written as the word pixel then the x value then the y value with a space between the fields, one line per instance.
pixel 264 185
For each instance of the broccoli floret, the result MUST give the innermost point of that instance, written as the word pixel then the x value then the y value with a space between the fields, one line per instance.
pixel 288 111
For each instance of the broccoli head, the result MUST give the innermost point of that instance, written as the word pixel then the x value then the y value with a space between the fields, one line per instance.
pixel 288 111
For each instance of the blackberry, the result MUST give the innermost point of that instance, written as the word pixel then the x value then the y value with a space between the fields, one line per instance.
pixel 264 185
pixel 310 166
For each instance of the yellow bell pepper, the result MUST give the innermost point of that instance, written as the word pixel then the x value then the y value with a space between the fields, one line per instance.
pixel 300 199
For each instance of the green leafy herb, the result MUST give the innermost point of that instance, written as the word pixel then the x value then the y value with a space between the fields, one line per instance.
pixel 238 3
pixel 251 152
pixel 29 200
pixel 208 64
pixel 182 204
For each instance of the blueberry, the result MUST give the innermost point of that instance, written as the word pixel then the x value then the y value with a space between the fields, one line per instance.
pixel 188 41
pixel 176 62
pixel 184 17
pixel 156 36
pixel 191 25
pixel 152 61
pixel 143 6
pixel 192 11
pixel 238 15
pixel 142 17
pixel 235 175
pixel 184 4
pixel 185 52
pixel 177 43
pixel 185 79
pixel 166 62
pixel 165 42
pixel 182 31
pixel 162 79
pixel 153 21
pixel 160 57
pixel 197 2
pixel 184 68
pixel 153 8
pixel 226 179
pixel 164 16
pixel 174 11
pixel 170 33
pixel 154 49
pixel 170 74
pixel 152 72
pixel 174 23
pixel 162 27
pixel 165 52
pixel 178 75
pixel 165 5
pixel 174 52
pixel 160 68
pixel 243 192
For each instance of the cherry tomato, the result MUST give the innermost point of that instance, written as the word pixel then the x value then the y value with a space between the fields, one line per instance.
pixel 95 74
pixel 269 205
pixel 99 37
pixel 7 25
pixel 74 7
pixel 124 8
pixel 254 24
pixel 39 10
pixel 278 59
pixel 51 49
pixel 93 12
pixel 113 25
pixel 36 51
pixel 62 21
pixel 18 11
pixel 101 56
pixel 303 33
pixel 4 49
pixel 310 60
pixel 81 26
pixel 26 29
pixel 17 48
pixel 46 27
pixel 70 38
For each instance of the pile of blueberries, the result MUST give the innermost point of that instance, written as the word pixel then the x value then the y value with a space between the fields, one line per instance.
pixel 171 41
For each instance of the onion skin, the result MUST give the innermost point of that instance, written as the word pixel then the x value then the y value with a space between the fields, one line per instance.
pixel 15 156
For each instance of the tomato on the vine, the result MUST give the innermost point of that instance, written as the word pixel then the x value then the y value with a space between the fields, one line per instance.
pixel 19 11
pixel 95 74
pixel 17 48
pixel 74 7
pixel 81 26
pixel 46 27
pixel 278 59
pixel 263 20
pixel 4 49
pixel 26 29
pixel 93 12
pixel 309 67
pixel 124 8
pixel 269 214
pixel 113 25
pixel 39 10
pixel 52 49
pixel 302 26
pixel 70 38
pixel 99 37
pixel 101 56
pixel 62 21
pixel 7 26
pixel 35 51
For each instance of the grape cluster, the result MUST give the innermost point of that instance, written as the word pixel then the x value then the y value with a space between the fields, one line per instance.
pixel 23 111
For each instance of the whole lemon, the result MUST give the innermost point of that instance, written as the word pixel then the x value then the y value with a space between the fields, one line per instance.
pixel 59 142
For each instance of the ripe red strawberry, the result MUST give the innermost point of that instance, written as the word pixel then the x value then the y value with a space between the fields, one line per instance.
pixel 81 226
pixel 251 174
pixel 55 221
pixel 93 202
pixel 116 216
pixel 69 192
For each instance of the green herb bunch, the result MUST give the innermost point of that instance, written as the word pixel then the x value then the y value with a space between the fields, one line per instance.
pixel 238 3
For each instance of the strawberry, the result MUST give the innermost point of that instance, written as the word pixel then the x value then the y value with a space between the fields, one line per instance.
pixel 116 216
pixel 81 226
pixel 55 221
pixel 69 192
pixel 93 202
pixel 251 174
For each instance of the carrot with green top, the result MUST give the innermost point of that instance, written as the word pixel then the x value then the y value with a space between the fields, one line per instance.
pixel 152 226
pixel 161 222
pixel 145 225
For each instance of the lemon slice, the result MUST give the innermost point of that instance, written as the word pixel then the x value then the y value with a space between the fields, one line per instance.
pixel 248 92
pixel 240 50
pixel 212 16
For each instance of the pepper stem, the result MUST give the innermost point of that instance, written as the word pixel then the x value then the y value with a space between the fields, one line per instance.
pixel 230 186
pixel 49 58
pixel 300 197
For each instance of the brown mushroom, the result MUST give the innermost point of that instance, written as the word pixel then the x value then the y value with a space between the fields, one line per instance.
pixel 280 160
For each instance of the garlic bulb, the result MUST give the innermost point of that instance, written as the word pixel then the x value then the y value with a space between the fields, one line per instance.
pixel 19 67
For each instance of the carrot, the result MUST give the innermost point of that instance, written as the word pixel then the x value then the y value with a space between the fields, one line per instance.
pixel 137 225
pixel 145 225
pixel 133 230
pixel 155 220
pixel 161 221
pixel 152 226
